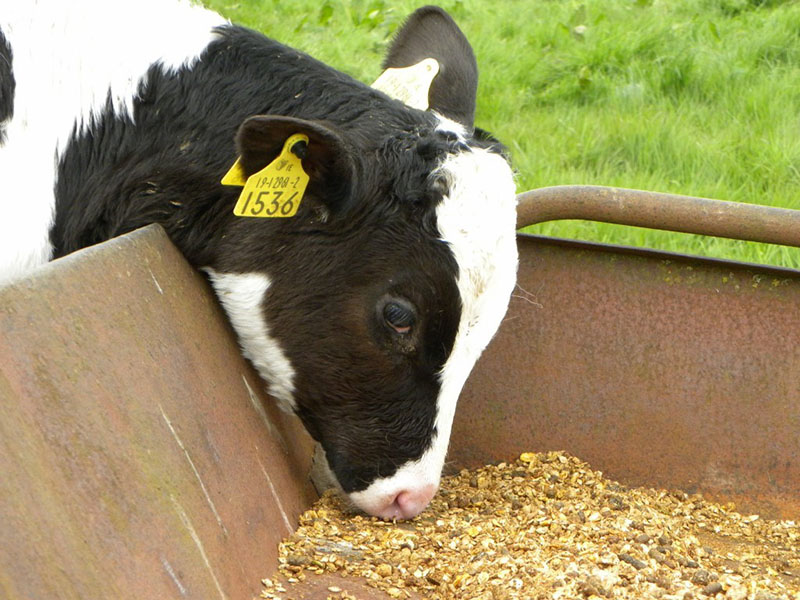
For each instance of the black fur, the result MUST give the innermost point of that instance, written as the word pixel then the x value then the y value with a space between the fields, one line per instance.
pixel 366 229
pixel 7 85
pixel 183 142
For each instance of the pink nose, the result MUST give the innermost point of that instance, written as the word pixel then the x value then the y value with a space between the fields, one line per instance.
pixel 407 504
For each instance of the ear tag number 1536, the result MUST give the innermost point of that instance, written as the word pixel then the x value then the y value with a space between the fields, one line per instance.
pixel 277 189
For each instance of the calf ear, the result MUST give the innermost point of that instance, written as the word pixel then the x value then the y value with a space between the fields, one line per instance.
pixel 327 159
pixel 431 33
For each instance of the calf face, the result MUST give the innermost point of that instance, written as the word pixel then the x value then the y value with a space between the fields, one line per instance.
pixel 364 312
pixel 374 313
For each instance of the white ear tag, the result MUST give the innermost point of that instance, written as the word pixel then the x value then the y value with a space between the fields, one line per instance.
pixel 411 84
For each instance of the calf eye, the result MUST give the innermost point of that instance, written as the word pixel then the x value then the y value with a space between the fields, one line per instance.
pixel 399 315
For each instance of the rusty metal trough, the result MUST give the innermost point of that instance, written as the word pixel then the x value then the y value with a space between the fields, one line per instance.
pixel 140 457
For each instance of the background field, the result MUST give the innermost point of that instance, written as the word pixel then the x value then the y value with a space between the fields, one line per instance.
pixel 697 97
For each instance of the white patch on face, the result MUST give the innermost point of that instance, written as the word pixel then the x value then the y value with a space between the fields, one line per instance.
pixel 451 126
pixel 242 295
pixel 69 57
pixel 478 221
pixel 378 498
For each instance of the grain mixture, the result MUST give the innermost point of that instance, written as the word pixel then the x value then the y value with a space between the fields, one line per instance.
pixel 547 526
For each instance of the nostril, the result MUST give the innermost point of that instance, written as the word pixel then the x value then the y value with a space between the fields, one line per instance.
pixel 406 502
pixel 409 503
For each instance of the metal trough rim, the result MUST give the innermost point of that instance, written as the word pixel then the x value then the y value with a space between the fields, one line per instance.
pixel 656 210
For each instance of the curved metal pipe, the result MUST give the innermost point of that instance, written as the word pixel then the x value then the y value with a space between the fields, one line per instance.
pixel 655 210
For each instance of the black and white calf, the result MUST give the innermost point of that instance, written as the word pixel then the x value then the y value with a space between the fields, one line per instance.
pixel 367 310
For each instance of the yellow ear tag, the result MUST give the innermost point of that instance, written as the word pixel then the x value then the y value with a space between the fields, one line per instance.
pixel 235 175
pixel 411 84
pixel 277 189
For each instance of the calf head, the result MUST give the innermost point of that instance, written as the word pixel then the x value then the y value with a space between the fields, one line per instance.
pixel 367 310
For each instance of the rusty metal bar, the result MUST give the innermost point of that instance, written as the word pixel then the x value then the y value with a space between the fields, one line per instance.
pixel 655 210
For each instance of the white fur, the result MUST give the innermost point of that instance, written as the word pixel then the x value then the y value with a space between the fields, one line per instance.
pixel 69 56
pixel 446 124
pixel 242 297
pixel 477 220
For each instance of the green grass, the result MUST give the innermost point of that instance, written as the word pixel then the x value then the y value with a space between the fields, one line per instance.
pixel 695 97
